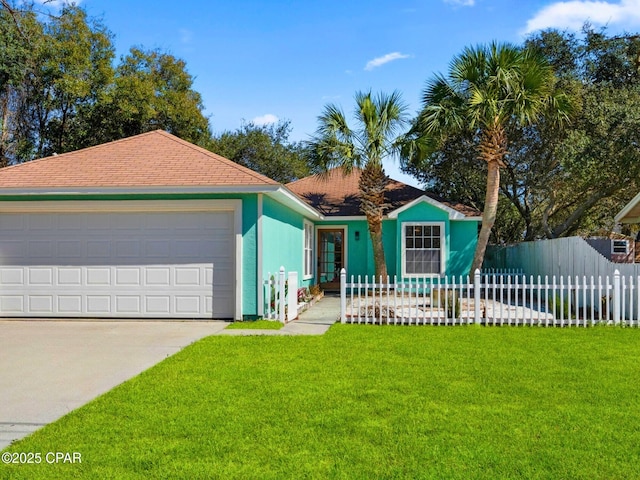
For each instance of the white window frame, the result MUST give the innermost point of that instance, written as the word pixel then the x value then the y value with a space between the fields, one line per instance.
pixel 626 247
pixel 403 226
pixel 308 239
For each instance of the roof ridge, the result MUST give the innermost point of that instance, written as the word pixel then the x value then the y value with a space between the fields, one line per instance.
pixel 216 156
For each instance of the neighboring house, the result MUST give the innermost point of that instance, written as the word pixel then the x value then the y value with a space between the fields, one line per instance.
pixel 152 226
pixel 630 214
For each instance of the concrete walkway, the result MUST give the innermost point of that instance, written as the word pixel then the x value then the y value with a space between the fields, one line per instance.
pixel 314 321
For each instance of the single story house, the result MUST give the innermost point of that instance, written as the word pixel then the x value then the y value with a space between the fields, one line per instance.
pixel 152 226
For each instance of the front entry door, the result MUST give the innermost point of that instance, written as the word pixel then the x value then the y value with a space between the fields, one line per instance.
pixel 330 257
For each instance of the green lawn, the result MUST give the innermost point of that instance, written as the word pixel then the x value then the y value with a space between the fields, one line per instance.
pixel 256 325
pixel 365 402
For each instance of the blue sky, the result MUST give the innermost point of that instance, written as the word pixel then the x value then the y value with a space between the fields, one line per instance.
pixel 273 59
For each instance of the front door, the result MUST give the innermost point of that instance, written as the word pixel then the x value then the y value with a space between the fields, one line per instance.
pixel 330 257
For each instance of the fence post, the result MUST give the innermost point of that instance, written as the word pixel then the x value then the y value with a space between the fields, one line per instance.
pixel 343 296
pixel 282 301
pixel 617 297
pixel 476 296
pixel 292 294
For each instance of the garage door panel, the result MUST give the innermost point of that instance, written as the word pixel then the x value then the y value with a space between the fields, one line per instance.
pixel 98 304
pixel 40 276
pixel 188 305
pixel 157 276
pixel 41 303
pixel 69 304
pixel 159 264
pixel 41 222
pixel 12 304
pixel 127 277
pixel 69 276
pixel 98 276
pixel 158 304
pixel 11 276
pixel 40 249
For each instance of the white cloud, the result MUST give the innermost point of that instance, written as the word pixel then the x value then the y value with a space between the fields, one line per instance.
pixel 571 15
pixel 265 119
pixel 461 3
pixel 389 57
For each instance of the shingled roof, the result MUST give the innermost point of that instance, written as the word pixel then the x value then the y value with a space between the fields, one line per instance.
pixel 337 194
pixel 153 159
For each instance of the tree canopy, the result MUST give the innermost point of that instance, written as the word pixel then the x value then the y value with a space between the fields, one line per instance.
pixel 60 90
pixel 265 149
pixel 559 181
pixel 378 132
pixel 486 89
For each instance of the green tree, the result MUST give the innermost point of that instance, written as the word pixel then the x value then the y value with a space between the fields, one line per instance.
pixel 154 90
pixel 55 73
pixel 265 149
pixel 487 88
pixel 377 136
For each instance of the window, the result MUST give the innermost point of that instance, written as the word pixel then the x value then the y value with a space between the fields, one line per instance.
pixel 422 248
pixel 620 246
pixel 308 249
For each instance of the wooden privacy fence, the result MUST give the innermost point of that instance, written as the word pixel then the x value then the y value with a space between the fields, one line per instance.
pixel 281 296
pixel 493 299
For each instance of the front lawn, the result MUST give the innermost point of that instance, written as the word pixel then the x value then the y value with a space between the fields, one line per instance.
pixel 365 402
pixel 256 325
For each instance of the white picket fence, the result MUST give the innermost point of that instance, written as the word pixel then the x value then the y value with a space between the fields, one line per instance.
pixel 281 296
pixel 492 299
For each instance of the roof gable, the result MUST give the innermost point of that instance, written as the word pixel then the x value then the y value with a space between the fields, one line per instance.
pixel 153 159
pixel 337 194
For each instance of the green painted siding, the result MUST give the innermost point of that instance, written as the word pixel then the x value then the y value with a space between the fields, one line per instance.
pixel 461 237
pixel 464 237
pixel 282 239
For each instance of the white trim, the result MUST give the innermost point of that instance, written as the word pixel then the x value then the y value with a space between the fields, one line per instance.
pixel 627 208
pixel 626 246
pixel 259 248
pixel 144 190
pixel 443 248
pixel 119 206
pixel 298 204
pixel 453 214
pixel 306 223
pixel 344 218
pixel 238 234
pixel 345 250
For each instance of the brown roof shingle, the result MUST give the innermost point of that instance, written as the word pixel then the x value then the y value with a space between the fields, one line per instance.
pixel 337 194
pixel 153 159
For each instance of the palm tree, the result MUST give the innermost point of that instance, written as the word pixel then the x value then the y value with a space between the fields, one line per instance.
pixel 486 88
pixel 377 136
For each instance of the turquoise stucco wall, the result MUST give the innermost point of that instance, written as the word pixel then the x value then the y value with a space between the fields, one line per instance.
pixel 360 252
pixel 282 240
pixel 464 238
pixel 461 237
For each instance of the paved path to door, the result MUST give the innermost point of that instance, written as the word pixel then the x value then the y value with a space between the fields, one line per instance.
pixel 315 321
pixel 48 368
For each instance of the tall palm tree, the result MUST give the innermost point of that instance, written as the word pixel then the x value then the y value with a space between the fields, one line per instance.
pixel 377 135
pixel 486 88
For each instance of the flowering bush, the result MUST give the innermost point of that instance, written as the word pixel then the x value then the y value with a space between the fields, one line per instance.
pixel 303 294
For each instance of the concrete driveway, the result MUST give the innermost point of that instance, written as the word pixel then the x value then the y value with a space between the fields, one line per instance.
pixel 50 367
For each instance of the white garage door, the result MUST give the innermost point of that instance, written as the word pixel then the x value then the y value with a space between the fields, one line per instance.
pixel 134 264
